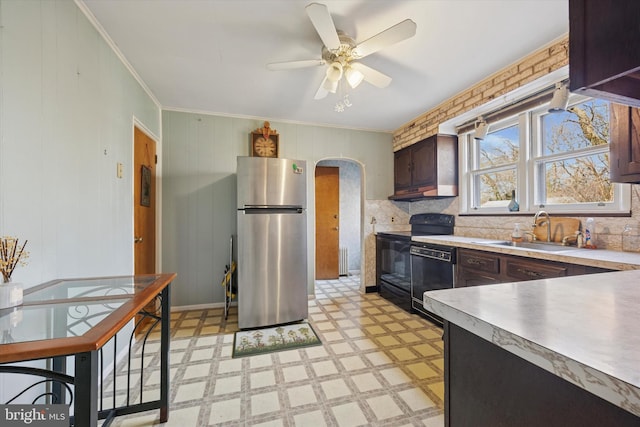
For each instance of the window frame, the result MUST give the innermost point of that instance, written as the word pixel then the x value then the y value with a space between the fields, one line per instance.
pixel 528 176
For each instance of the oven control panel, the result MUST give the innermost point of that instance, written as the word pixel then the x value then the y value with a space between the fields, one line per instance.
pixel 445 254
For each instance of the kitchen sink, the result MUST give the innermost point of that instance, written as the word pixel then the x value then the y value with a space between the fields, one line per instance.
pixel 539 246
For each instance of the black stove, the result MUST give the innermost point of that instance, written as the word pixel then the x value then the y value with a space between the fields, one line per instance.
pixel 400 235
pixel 393 259
pixel 425 224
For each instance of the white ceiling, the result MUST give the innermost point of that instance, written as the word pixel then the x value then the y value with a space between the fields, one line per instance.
pixel 210 55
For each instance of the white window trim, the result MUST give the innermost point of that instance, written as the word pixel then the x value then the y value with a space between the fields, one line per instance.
pixel 527 175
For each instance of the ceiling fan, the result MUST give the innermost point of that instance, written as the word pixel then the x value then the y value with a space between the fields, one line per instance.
pixel 340 52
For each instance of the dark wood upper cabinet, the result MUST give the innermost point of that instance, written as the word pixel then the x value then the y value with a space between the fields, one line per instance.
pixel 625 144
pixel 423 173
pixel 402 169
pixel 428 168
pixel 604 49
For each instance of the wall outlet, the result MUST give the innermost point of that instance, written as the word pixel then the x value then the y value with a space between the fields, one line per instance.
pixel 119 169
pixel 393 219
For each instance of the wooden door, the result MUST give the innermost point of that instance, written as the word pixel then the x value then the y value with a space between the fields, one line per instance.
pixel 327 184
pixel 144 213
pixel 144 203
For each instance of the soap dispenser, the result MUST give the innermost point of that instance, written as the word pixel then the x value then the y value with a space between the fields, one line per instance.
pixel 516 234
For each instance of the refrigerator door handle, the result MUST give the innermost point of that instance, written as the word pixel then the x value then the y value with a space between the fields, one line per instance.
pixel 273 210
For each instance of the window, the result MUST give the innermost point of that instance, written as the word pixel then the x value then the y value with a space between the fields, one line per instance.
pixel 554 161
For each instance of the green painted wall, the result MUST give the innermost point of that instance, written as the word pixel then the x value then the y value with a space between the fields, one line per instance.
pixel 199 189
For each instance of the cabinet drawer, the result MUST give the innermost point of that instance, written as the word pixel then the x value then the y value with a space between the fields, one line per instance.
pixel 479 261
pixel 523 270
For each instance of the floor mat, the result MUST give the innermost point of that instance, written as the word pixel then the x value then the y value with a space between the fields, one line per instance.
pixel 277 338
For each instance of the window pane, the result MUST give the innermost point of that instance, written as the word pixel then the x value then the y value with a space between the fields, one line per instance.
pixel 565 180
pixel 581 126
pixel 499 148
pixel 496 187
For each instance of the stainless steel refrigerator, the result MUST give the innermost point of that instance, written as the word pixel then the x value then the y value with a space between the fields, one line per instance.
pixel 272 241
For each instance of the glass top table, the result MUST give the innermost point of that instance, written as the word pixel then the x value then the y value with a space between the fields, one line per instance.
pixel 99 287
pixel 77 317
pixel 71 315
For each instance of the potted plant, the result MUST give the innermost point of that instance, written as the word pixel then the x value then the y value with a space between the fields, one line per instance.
pixel 12 254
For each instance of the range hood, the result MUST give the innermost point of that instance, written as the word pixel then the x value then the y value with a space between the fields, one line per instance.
pixel 426 193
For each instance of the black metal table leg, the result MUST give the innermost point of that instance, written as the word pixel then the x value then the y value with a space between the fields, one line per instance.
pixel 164 355
pixel 59 392
pixel 86 389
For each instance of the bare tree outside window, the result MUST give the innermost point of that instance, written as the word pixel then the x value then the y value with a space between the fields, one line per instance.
pixel 498 154
pixel 572 158
pixel 582 132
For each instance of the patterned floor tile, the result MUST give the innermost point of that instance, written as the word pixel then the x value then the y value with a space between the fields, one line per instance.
pixel 378 366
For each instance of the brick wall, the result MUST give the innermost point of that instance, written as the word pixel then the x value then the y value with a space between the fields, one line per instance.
pixel 532 67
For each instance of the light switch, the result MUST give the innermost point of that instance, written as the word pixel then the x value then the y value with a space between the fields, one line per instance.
pixel 119 170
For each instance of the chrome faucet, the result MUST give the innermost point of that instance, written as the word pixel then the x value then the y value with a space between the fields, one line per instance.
pixel 547 222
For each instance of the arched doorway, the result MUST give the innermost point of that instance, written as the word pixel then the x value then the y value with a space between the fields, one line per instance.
pixel 350 239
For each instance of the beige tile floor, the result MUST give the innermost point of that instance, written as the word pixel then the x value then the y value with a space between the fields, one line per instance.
pixel 378 366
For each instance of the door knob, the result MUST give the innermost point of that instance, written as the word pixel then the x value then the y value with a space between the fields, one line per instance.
pixel 137 240
pixel 335 228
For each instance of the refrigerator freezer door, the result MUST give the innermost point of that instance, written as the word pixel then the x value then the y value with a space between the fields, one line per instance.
pixel 272 268
pixel 271 182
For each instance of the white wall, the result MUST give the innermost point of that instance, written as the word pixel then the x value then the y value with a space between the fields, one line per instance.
pixel 67 108
pixel 66 119
pixel 199 186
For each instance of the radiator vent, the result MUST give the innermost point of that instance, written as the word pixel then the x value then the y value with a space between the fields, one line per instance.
pixel 343 264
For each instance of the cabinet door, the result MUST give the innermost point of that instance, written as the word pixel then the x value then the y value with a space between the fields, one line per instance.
pixel 402 169
pixel 424 170
pixel 469 277
pixel 625 144
pixel 479 261
pixel 531 270
pixel 477 268
pixel 603 40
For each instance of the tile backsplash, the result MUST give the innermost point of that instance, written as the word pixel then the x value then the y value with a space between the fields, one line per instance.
pixel 386 215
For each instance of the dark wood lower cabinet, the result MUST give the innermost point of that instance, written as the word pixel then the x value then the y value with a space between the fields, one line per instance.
pixel 476 268
pixel 486 385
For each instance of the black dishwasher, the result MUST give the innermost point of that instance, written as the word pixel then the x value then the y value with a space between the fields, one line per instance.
pixel 431 269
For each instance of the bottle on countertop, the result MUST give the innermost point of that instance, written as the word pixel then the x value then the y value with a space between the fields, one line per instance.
pixel 513 204
pixel 590 234
pixel 631 238
pixel 516 234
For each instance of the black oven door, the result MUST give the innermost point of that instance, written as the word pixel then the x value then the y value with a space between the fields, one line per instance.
pixel 393 266
pixel 431 269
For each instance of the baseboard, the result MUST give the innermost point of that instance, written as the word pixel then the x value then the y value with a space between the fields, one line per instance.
pixel 201 306
pixel 370 289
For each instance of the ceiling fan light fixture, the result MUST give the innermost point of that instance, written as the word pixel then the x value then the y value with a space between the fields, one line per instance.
pixel 560 98
pixel 334 72
pixel 354 77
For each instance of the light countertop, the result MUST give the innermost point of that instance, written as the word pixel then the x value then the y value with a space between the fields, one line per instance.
pixel 614 260
pixel 583 329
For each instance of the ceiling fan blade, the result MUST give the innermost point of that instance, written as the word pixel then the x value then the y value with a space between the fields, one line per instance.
pixel 289 65
pixel 401 31
pixel 321 92
pixel 372 76
pixel 323 23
